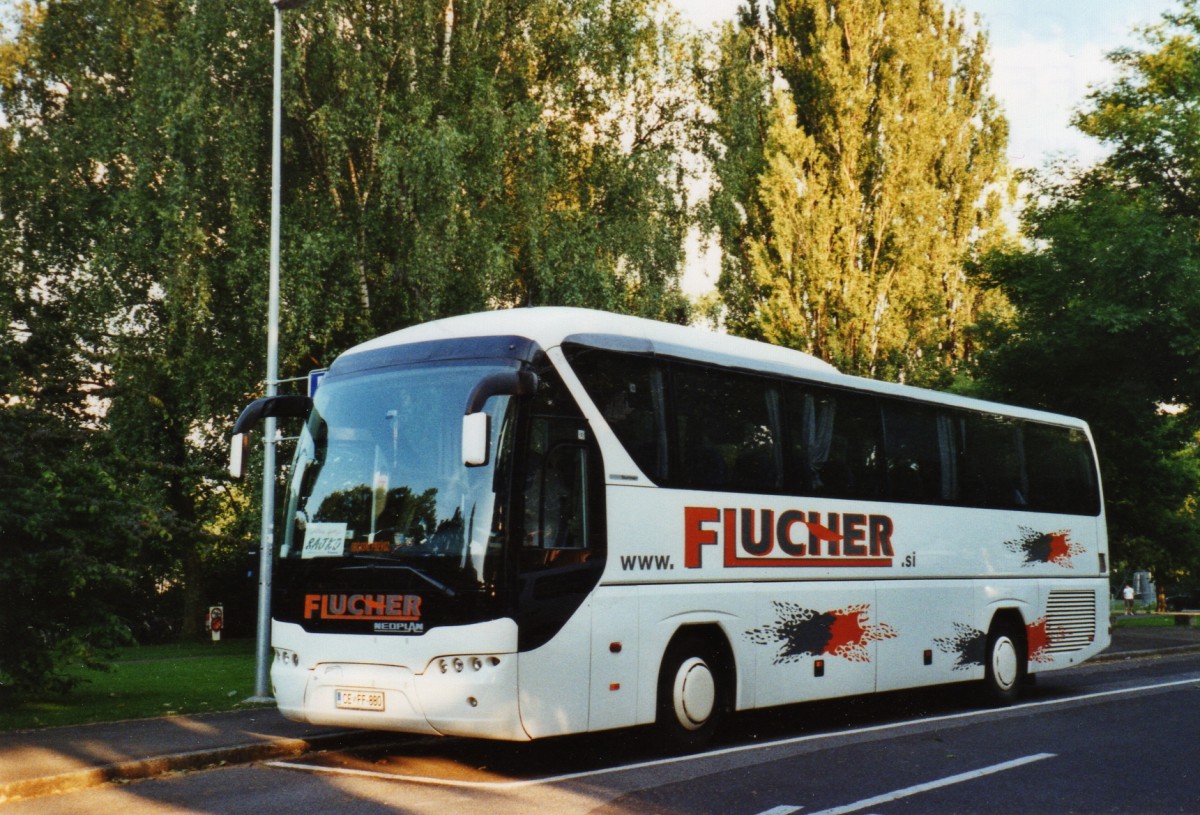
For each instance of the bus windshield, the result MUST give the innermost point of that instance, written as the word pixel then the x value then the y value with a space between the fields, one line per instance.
pixel 378 478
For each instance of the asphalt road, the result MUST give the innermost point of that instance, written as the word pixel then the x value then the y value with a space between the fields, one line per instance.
pixel 1118 737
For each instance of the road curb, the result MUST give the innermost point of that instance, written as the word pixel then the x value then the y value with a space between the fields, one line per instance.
pixel 140 769
pixel 1120 656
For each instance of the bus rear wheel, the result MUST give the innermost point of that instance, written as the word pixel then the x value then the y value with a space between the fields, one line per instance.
pixel 691 695
pixel 1005 664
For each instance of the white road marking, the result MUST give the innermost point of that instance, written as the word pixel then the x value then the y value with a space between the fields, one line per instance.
pixel 781 810
pixel 970 714
pixel 933 785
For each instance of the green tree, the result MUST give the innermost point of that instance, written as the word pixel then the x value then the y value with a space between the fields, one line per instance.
pixel 440 157
pixel 1106 310
pixel 1148 117
pixel 1107 298
pixel 875 167
pixel 456 156
pixel 142 208
pixel 68 534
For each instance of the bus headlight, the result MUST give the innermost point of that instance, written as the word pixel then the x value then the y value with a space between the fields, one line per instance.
pixel 459 664
pixel 286 657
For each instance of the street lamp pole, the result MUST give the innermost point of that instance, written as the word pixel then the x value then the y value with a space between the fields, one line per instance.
pixel 266 551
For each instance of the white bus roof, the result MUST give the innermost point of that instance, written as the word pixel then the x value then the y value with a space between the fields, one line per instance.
pixel 551 326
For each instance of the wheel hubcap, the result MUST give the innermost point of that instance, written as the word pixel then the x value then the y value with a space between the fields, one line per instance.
pixel 694 694
pixel 1004 663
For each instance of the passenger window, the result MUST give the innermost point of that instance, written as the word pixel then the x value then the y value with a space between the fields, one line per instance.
pixel 1062 474
pixel 992 462
pixel 726 431
pixel 834 445
pixel 921 457
pixel 628 391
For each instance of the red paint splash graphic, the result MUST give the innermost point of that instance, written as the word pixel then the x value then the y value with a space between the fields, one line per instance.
pixel 1045 547
pixel 800 632
pixel 1040 636
pixel 1060 548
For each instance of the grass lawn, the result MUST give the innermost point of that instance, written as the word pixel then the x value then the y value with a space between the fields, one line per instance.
pixel 155 680
pixel 1143 620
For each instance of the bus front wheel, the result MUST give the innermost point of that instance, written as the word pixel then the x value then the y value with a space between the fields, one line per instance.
pixel 1005 664
pixel 691 694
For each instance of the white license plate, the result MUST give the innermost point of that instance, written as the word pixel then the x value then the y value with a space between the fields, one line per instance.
pixel 350 699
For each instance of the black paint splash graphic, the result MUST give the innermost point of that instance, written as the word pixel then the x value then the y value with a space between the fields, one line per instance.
pixel 969 643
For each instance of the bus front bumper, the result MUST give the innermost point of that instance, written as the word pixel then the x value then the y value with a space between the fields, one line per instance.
pixel 474 696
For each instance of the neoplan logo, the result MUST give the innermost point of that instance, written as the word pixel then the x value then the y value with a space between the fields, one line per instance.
pixel 762 537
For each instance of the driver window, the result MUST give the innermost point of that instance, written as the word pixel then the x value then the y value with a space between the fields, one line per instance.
pixel 563 483
pixel 559 510
pixel 560 529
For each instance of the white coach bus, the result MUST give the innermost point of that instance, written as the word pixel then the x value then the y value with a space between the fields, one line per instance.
pixel 535 522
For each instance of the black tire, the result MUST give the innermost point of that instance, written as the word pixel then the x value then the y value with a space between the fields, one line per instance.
pixel 1006 664
pixel 693 694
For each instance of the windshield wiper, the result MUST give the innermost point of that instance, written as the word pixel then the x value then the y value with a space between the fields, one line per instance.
pixel 377 562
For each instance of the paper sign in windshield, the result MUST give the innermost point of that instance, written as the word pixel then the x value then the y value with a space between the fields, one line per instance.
pixel 324 540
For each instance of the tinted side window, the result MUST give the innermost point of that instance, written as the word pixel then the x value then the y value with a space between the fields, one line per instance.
pixel 729 430
pixel 921 457
pixel 629 392
pixel 1062 474
pixel 726 430
pixel 992 463
pixel 833 443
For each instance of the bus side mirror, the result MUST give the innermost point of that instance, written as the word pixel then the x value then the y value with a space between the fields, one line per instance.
pixel 476 431
pixel 278 406
pixel 239 448
pixel 476 424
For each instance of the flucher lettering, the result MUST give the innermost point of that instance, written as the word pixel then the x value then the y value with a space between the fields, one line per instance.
pixel 792 537
pixel 695 535
pixel 388 607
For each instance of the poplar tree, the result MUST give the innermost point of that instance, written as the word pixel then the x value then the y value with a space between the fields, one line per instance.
pixel 878 170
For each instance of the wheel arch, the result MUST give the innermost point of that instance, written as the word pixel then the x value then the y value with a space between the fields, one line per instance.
pixel 1015 609
pixel 1010 616
pixel 714 635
